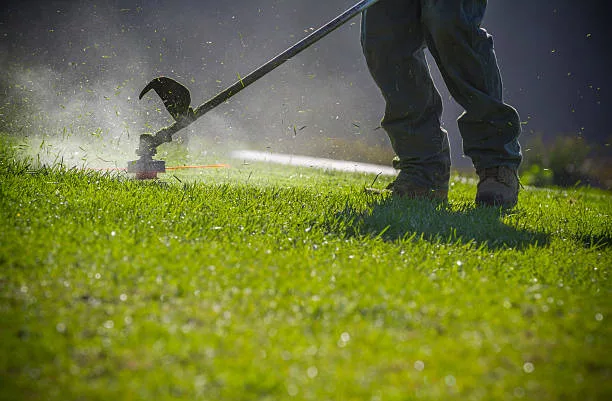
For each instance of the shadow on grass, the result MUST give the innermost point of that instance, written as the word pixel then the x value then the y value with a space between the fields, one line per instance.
pixel 594 240
pixel 392 219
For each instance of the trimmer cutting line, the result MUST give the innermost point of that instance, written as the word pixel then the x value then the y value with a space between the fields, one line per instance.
pixel 177 99
pixel 152 175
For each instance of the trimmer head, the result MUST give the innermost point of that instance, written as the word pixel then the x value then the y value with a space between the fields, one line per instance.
pixel 176 98
pixel 146 168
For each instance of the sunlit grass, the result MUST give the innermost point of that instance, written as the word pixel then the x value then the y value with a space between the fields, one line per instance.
pixel 261 282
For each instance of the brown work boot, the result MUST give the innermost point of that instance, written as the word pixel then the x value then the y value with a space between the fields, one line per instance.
pixel 498 186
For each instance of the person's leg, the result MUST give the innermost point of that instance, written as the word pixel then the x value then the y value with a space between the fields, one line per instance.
pixel 393 45
pixel 464 53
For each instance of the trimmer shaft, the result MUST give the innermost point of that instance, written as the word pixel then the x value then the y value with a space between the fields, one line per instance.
pixel 176 96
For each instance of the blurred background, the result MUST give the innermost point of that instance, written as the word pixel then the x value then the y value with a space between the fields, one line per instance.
pixel 71 72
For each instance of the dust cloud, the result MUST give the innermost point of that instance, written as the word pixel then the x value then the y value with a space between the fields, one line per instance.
pixel 71 86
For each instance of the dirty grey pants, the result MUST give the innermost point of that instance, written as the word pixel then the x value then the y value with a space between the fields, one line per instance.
pixel 395 34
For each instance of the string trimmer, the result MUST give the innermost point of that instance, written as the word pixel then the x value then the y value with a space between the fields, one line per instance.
pixel 177 99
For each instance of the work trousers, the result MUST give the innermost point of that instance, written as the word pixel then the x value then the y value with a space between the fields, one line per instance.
pixel 394 36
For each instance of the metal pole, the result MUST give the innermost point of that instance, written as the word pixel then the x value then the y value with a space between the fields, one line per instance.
pixel 149 143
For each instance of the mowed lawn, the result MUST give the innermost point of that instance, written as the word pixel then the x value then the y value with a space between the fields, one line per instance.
pixel 279 283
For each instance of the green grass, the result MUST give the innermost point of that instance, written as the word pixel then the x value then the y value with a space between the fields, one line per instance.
pixel 270 283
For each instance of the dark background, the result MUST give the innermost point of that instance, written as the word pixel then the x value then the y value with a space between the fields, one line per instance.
pixel 95 56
